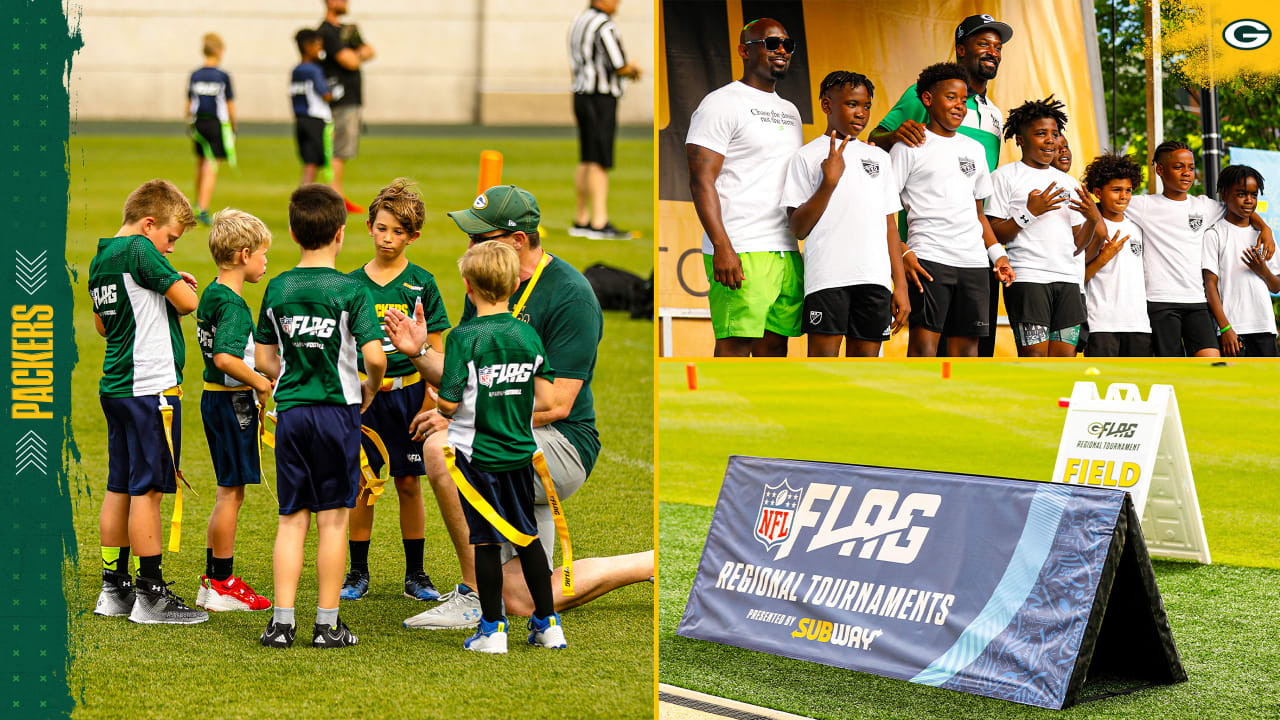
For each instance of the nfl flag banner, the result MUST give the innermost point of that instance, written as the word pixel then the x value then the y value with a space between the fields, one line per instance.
pixel 1012 589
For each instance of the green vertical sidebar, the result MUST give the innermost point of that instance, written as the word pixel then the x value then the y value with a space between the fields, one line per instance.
pixel 36 532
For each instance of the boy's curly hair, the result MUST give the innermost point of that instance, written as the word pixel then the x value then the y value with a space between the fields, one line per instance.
pixel 1033 110
pixel 403 202
pixel 1111 166
pixel 939 72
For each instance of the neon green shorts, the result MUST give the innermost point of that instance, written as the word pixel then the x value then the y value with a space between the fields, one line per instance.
pixel 771 297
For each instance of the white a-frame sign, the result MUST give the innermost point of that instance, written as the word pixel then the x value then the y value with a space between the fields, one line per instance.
pixel 1128 443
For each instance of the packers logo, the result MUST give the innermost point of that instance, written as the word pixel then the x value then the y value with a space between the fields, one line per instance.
pixel 871 168
pixel 482 202
pixel 968 167
pixel 1246 34
pixel 1195 221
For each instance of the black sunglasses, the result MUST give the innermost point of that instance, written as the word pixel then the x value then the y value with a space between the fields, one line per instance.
pixel 773 42
pixel 481 237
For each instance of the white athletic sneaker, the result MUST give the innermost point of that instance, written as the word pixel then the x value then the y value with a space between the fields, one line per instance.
pixel 458 609
pixel 490 637
pixel 547 632
pixel 202 592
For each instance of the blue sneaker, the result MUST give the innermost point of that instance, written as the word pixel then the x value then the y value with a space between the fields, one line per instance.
pixel 490 637
pixel 547 632
pixel 418 587
pixel 355 585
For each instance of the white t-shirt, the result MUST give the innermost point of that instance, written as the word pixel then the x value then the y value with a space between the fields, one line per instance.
pixel 938 183
pixel 848 245
pixel 1116 295
pixel 1173 231
pixel 1044 251
pixel 1246 301
pixel 757 133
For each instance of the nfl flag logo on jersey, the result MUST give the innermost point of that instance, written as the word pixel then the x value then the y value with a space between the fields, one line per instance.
pixel 286 325
pixel 777 510
pixel 486 375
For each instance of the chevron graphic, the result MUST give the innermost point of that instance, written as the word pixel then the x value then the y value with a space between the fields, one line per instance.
pixel 32 452
pixel 32 273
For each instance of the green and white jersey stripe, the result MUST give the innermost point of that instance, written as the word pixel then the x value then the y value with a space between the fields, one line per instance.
pixel 128 278
pixel 223 325
pixel 319 318
pixel 490 363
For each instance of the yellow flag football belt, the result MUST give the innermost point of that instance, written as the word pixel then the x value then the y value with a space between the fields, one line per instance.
pixel 508 531
pixel 397 383
pixel 166 416
pixel 369 480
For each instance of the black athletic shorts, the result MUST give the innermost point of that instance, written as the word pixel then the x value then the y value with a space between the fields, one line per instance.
pixel 1056 306
pixel 1259 345
pixel 1179 329
pixel 597 116
pixel 1118 344
pixel 861 312
pixel 955 303
pixel 210 129
pixel 390 415
pixel 310 134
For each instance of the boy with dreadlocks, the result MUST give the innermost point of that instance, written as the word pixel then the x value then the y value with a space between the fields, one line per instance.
pixel 1115 289
pixel 1046 230
pixel 1173 224
pixel 942 183
pixel 1238 282
pixel 855 289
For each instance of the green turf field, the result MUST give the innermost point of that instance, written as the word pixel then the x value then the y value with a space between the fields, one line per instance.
pixel 118 668
pixel 989 418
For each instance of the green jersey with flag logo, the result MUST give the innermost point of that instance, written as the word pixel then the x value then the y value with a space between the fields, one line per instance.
pixel 320 318
pixel 489 366
pixel 563 310
pixel 223 325
pixel 128 278
pixel 403 293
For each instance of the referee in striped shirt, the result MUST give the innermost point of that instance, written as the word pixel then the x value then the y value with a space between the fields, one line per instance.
pixel 598 65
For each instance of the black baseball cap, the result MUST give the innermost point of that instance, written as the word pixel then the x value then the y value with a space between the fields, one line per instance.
pixel 975 23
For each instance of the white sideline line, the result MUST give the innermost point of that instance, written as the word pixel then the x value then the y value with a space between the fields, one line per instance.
pixel 676 703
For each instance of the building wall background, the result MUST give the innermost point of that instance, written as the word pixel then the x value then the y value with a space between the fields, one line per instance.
pixel 498 62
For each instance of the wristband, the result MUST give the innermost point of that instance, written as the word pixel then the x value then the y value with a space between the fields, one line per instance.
pixel 995 252
pixel 422 352
pixel 1223 331
pixel 909 250
pixel 1023 218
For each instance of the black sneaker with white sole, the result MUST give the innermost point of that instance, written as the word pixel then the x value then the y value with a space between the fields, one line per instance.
pixel 117 596
pixel 608 232
pixel 157 605
pixel 336 636
pixel 278 635
pixel 576 230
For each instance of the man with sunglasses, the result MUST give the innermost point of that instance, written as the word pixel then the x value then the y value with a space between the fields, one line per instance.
pixel 979 41
pixel 740 140
pixel 557 302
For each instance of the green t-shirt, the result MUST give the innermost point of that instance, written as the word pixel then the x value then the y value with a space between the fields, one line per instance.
pixel 490 364
pixel 223 325
pixel 320 318
pixel 563 310
pixel 984 121
pixel 128 278
pixel 402 293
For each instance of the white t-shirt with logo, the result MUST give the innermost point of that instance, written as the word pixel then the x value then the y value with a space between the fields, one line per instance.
pixel 1246 301
pixel 939 183
pixel 757 132
pixel 1173 231
pixel 1116 295
pixel 1044 251
pixel 848 245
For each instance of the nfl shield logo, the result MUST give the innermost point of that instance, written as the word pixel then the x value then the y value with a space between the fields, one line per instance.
pixel 286 325
pixel 777 510
pixel 1195 221
pixel 967 167
pixel 871 167
pixel 486 376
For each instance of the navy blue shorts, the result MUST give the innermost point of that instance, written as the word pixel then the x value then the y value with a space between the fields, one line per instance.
pixel 231 427
pixel 389 416
pixel 317 457
pixel 510 492
pixel 138 458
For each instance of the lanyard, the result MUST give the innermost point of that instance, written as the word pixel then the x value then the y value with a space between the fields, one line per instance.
pixel 528 289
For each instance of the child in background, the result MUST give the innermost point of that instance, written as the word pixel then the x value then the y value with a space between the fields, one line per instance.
pixel 1238 282
pixel 313 120
pixel 212 114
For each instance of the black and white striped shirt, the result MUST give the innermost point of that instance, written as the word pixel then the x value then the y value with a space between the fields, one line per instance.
pixel 596 53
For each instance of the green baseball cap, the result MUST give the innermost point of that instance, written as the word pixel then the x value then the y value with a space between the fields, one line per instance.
pixel 501 207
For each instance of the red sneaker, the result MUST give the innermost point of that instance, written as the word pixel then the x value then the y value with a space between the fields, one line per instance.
pixel 352 207
pixel 233 594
